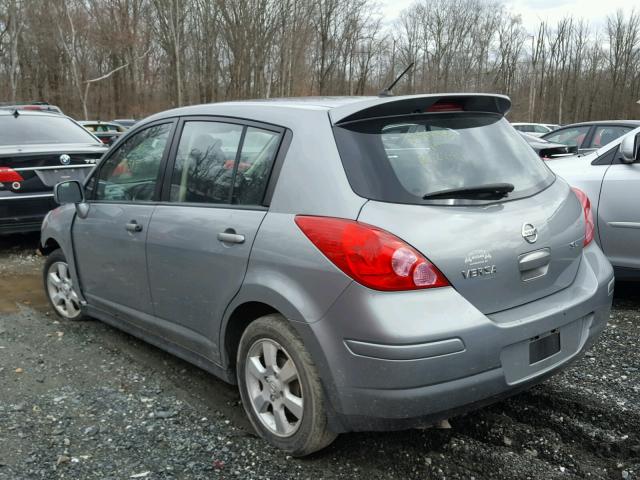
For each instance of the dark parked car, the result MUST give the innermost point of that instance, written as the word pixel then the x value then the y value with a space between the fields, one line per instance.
pixel 38 150
pixel 107 132
pixel 125 122
pixel 590 136
pixel 32 106
pixel 548 150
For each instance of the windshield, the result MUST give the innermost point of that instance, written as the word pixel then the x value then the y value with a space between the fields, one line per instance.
pixel 37 129
pixel 402 160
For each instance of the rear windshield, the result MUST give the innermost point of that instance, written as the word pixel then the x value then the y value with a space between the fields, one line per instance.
pixel 400 160
pixel 34 130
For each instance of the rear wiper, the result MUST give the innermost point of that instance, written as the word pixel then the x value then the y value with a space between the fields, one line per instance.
pixel 490 191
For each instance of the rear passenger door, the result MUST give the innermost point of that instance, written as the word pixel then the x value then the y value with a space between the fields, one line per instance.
pixel 201 234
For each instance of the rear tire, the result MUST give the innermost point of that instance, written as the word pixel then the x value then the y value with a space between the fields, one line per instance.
pixel 280 387
pixel 59 287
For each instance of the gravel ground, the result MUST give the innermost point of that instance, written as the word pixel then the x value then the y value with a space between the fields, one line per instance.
pixel 83 400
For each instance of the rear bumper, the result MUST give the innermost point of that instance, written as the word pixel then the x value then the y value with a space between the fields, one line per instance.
pixel 396 360
pixel 18 215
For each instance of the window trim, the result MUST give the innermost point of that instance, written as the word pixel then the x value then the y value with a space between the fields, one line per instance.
pixel 172 121
pixel 164 198
pixel 600 159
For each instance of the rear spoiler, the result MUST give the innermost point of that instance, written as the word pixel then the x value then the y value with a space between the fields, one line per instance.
pixel 377 107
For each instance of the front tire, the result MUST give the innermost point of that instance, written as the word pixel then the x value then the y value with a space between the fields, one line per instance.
pixel 280 387
pixel 59 288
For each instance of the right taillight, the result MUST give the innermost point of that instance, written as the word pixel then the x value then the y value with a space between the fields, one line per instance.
pixel 371 256
pixel 9 175
pixel 589 225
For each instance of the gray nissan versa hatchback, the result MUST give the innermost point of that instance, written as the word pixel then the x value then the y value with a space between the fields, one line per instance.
pixel 352 263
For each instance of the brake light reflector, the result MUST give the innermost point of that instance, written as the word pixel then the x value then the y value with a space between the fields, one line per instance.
pixel 444 106
pixel 589 226
pixel 9 175
pixel 371 256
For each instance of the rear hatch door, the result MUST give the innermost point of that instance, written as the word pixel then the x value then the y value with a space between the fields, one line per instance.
pixel 482 249
pixel 426 165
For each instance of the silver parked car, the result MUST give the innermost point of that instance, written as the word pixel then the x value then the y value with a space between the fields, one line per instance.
pixel 351 263
pixel 534 129
pixel 590 136
pixel 610 177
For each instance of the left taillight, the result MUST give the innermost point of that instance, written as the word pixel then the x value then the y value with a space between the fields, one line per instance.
pixel 9 175
pixel 371 256
pixel 589 226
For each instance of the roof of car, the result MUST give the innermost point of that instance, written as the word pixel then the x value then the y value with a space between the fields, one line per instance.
pixel 10 111
pixel 604 122
pixel 341 108
pixel 304 103
pixel 96 122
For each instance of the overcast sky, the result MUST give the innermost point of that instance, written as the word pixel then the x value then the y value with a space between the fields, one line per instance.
pixel 533 11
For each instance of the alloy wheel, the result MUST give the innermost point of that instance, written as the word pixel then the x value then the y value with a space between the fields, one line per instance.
pixel 274 387
pixel 60 290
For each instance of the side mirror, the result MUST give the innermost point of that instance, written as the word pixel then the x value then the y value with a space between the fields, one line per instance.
pixel 629 149
pixel 68 192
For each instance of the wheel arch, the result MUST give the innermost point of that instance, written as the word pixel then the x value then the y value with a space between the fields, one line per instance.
pixel 235 325
pixel 49 245
pixel 241 313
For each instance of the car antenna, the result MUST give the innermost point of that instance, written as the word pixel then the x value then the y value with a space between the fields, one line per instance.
pixel 387 91
pixel 16 113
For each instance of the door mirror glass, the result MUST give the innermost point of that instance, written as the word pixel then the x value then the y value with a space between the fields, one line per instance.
pixel 629 149
pixel 68 192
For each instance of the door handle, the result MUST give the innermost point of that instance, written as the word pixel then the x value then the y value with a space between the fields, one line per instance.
pixel 536 259
pixel 230 236
pixel 133 226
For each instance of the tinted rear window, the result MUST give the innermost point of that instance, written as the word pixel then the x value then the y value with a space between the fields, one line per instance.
pixel 401 159
pixel 34 130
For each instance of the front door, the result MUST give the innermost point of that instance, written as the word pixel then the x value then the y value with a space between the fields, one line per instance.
pixel 619 214
pixel 200 236
pixel 109 242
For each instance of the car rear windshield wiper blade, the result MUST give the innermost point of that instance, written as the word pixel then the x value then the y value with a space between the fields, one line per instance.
pixel 490 191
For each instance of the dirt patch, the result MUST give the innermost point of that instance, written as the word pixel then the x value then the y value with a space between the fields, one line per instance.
pixel 22 290
pixel 20 273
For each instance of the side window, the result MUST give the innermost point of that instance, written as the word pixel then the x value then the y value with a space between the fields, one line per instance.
pixel 204 166
pixel 607 134
pixel 541 129
pixel 573 136
pixel 256 161
pixel 131 172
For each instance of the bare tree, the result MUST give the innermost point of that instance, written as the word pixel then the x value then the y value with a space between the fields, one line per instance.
pixel 13 23
pixel 171 16
pixel 133 57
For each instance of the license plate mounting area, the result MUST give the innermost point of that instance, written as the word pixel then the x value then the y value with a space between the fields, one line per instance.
pixel 544 346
